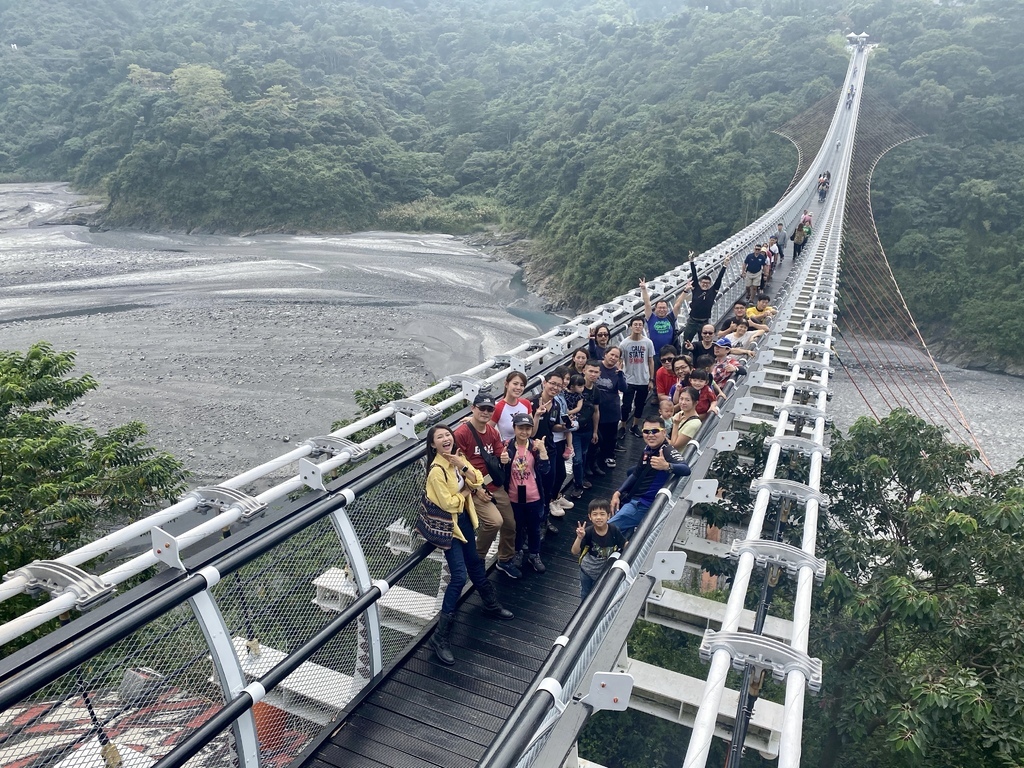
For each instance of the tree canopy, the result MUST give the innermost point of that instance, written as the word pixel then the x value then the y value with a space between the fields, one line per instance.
pixel 59 481
pixel 617 135
pixel 919 621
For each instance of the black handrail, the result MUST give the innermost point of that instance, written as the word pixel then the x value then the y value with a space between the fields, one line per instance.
pixel 245 700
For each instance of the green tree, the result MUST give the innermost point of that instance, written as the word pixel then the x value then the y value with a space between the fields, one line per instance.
pixel 919 621
pixel 59 481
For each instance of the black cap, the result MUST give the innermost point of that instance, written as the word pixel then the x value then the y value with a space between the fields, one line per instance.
pixel 522 420
pixel 483 401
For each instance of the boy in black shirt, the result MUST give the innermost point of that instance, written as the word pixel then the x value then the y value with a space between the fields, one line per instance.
pixel 595 544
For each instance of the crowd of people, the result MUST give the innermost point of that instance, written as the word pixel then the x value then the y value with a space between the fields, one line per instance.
pixel 503 473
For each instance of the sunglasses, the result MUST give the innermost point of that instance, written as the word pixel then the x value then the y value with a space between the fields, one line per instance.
pixel 653 431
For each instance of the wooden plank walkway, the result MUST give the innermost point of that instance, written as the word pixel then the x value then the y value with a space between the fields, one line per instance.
pixel 426 715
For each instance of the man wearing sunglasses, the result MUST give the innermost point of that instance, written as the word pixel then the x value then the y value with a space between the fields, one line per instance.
pixel 658 464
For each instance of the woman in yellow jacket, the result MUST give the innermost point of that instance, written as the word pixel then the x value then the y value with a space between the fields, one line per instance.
pixel 451 484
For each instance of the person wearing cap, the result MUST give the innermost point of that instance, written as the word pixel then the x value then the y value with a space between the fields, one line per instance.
pixel 529 465
pixel 702 302
pixel 475 437
pixel 726 366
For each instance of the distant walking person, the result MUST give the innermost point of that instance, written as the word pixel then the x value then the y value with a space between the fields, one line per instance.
pixel 451 480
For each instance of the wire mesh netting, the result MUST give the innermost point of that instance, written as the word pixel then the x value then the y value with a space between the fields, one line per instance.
pixel 143 694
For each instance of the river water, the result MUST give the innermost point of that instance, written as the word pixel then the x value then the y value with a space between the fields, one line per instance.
pixel 226 347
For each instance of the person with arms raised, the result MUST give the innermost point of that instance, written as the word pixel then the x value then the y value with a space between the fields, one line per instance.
pixel 660 319
pixel 703 302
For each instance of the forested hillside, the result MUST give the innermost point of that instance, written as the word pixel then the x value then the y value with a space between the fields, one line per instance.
pixel 950 206
pixel 618 133
pixel 619 137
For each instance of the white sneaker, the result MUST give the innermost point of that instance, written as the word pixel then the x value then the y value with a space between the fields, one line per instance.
pixel 564 503
pixel 555 509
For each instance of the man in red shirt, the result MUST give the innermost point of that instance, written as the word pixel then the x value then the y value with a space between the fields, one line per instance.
pixel 664 378
pixel 474 437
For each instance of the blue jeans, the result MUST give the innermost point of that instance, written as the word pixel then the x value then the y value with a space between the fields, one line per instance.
pixel 529 519
pixel 586 584
pixel 462 561
pixel 580 446
pixel 629 516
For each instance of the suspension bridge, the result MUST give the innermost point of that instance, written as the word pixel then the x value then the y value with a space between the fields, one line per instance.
pixel 288 627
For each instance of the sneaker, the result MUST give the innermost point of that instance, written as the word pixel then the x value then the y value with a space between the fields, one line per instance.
pixel 619 448
pixel 597 471
pixel 534 562
pixel 609 463
pixel 517 561
pixel 621 434
pixel 552 528
pixel 575 493
pixel 508 567
pixel 564 503
pixel 555 510
pixel 635 431
pixel 587 485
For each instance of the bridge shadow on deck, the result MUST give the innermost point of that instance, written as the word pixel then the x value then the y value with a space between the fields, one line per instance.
pixel 426 715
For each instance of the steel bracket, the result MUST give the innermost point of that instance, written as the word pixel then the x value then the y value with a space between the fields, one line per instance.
pixel 57 578
pixel 166 548
pixel 609 690
pixel 813 366
pixel 726 441
pixel 471 385
pixel 702 492
pixel 311 475
pixel 572 329
pixel 335 445
pixel 762 653
pixel 404 412
pixel 806 412
pixel 222 498
pixel 812 348
pixel 786 556
pixel 668 566
pixel 509 361
pixel 811 336
pixel 742 406
pixel 807 387
pixel 801 445
pixel 788 489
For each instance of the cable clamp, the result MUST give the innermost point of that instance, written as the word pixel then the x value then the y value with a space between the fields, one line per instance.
pixel 554 689
pixel 623 566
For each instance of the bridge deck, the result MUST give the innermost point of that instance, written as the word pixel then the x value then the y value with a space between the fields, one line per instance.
pixel 426 715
